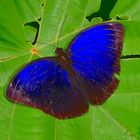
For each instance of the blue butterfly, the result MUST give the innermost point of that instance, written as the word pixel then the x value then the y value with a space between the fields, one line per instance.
pixel 64 85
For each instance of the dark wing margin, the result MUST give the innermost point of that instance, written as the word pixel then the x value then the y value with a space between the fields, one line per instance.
pixel 45 85
pixel 95 53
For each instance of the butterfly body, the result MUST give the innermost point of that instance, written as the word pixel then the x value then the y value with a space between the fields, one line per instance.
pixel 63 60
pixel 64 85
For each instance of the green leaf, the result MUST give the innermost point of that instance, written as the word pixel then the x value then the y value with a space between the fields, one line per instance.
pixel 117 119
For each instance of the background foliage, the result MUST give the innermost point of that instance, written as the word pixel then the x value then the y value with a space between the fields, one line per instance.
pixel 118 118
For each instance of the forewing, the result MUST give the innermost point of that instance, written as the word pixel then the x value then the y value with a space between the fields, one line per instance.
pixel 95 55
pixel 45 85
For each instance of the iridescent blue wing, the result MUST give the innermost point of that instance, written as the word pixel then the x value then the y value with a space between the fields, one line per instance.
pixel 45 85
pixel 95 54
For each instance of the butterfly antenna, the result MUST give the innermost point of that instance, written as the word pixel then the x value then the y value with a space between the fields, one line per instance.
pixel 57 40
pixel 43 43
pixel 61 27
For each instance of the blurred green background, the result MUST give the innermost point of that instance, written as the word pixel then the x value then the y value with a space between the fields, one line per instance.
pixel 118 118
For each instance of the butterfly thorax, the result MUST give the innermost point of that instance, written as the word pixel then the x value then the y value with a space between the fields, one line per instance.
pixel 63 59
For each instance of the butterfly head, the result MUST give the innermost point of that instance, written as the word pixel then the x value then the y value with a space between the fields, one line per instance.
pixel 59 51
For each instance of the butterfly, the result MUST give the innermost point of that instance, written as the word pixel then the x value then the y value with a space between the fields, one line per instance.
pixel 85 73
